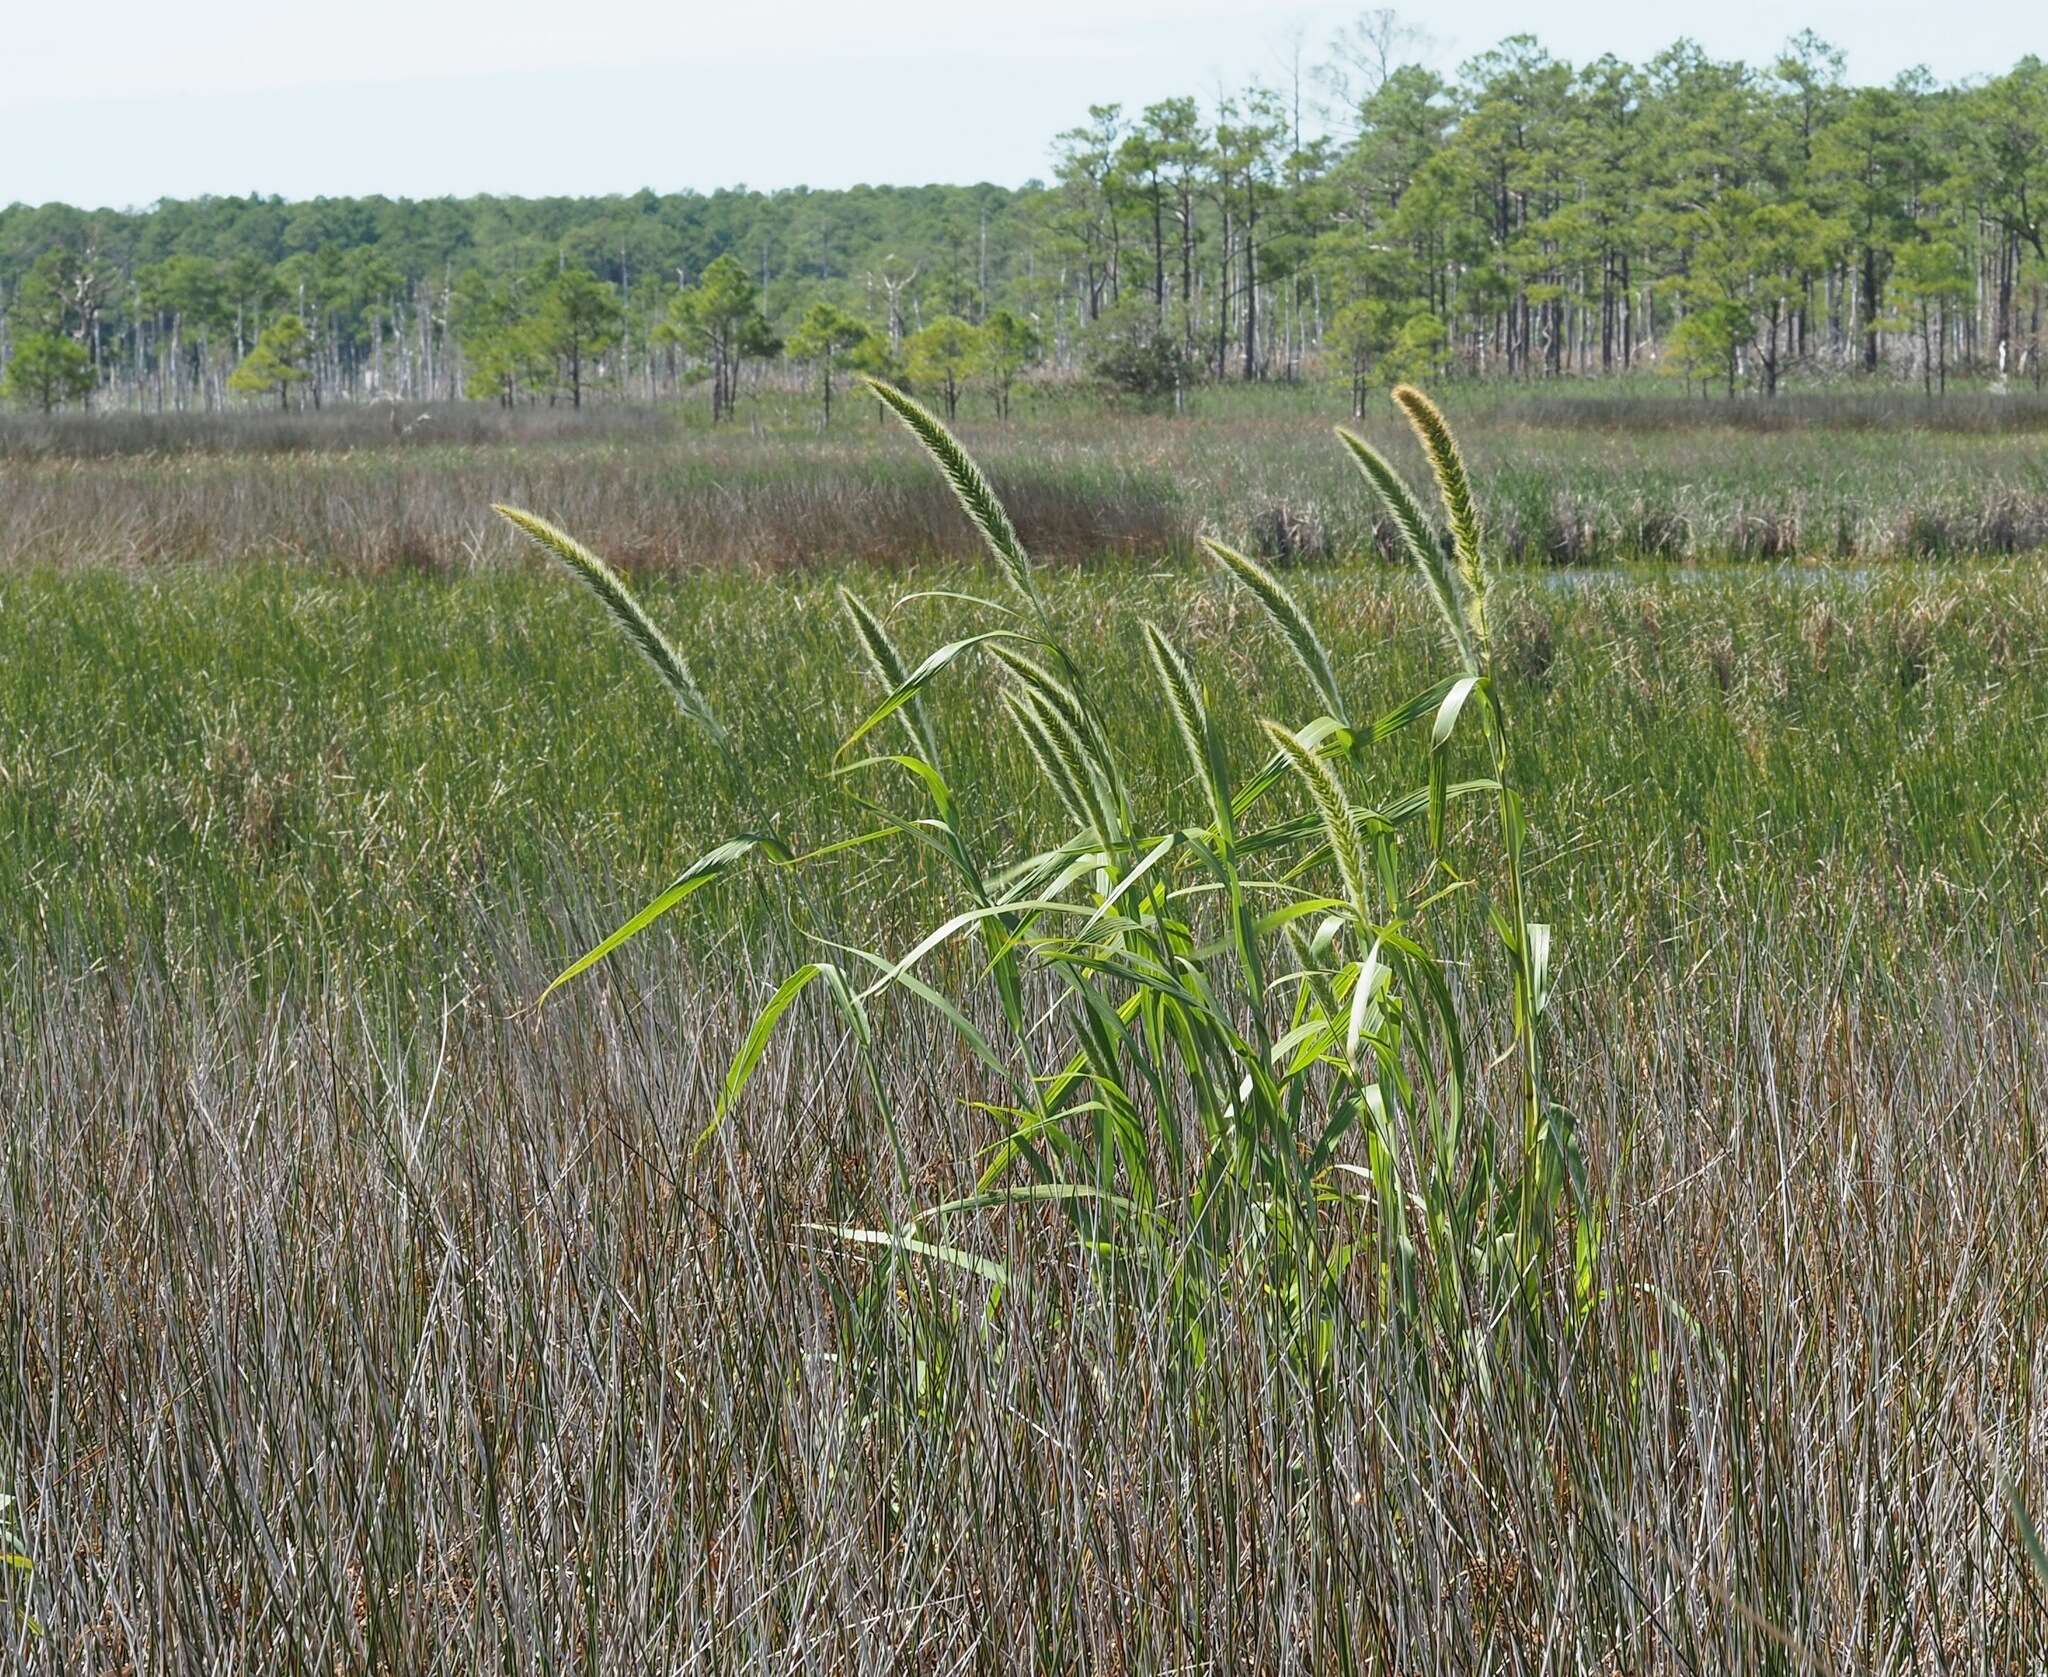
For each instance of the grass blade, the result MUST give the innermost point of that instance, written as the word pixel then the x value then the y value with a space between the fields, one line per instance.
pixel 986 1268
pixel 712 866
pixel 889 669
pixel 756 1043
pixel 919 679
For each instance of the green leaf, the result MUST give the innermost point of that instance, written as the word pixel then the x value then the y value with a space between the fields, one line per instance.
pixel 712 866
pixel 1539 964
pixel 921 678
pixel 1447 712
pixel 756 1044
pixel 1369 976
pixel 1029 1193
pixel 1439 796
pixel 934 782
pixel 969 1032
pixel 2030 1536
pixel 960 922
pixel 887 664
pixel 986 1268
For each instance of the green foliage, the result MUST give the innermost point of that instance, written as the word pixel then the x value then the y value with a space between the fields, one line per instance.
pixel 577 320
pixel 191 290
pixel 721 319
pixel 1932 283
pixel 1009 346
pixel 1749 264
pixel 1419 348
pixel 825 335
pixel 57 296
pixel 286 849
pixel 503 361
pixel 1525 218
pixel 16 1568
pixel 944 356
pixel 1201 1144
pixel 1385 338
pixel 47 372
pixel 873 358
pixel 1358 336
pixel 277 362
pixel 1133 350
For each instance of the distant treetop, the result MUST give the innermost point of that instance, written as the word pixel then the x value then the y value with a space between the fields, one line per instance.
pixel 1732 224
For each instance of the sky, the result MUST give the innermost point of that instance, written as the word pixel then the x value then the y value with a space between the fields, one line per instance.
pixel 417 98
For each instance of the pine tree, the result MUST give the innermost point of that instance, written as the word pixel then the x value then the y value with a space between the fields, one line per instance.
pixel 47 371
pixel 825 333
pixel 277 362
pixel 946 354
pixel 1009 346
pixel 721 318
pixel 577 321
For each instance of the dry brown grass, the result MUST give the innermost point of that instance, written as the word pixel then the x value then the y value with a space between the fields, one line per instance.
pixel 338 1345
pixel 345 488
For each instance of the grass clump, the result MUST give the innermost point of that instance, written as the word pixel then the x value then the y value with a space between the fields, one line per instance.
pixel 1232 1046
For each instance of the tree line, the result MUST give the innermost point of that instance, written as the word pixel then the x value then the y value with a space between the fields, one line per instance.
pixel 1367 219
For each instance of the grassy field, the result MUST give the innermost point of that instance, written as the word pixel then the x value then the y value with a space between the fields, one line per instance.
pixel 271 768
pixel 1577 480
pixel 362 1316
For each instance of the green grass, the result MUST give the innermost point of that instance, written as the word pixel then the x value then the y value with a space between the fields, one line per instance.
pixel 302 768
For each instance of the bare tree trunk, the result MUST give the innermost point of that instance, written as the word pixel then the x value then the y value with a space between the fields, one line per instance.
pixel 2002 331
pixel 1628 318
pixel 1251 279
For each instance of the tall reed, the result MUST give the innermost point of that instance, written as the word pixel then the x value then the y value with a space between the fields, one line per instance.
pixel 1235 1052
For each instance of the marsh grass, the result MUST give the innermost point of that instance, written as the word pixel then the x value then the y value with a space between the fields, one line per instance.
pixel 1189 1133
pixel 1580 481
pixel 363 1317
pixel 273 775
pixel 345 1343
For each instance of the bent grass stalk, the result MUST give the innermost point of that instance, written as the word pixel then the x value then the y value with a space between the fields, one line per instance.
pixel 15 1561
pixel 1261 1078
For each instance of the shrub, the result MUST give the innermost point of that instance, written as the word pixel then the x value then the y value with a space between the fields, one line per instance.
pixel 1132 349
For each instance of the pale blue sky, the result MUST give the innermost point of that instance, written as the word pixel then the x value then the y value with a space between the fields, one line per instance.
pixel 414 98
